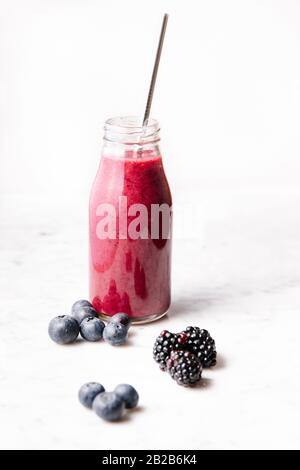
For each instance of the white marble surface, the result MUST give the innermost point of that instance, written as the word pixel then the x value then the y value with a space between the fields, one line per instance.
pixel 239 278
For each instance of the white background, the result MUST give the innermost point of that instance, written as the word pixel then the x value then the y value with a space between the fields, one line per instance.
pixel 228 100
pixel 228 95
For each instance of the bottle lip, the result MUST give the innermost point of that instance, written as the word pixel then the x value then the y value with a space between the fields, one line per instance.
pixel 130 126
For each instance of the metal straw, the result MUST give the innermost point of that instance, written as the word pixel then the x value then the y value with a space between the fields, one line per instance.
pixel 155 69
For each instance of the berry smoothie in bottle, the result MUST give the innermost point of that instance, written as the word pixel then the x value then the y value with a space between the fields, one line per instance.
pixel 130 223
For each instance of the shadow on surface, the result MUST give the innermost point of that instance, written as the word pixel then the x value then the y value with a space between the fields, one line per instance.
pixel 203 384
pixel 195 303
pixel 221 362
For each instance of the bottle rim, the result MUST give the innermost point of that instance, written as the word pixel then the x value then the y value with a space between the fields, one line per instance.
pixel 129 129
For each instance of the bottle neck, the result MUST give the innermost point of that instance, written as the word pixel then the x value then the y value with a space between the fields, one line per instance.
pixel 125 137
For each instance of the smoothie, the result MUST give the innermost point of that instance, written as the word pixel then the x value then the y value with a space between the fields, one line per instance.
pixel 128 273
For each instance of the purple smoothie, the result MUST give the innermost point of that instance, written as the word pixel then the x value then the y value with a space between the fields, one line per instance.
pixel 127 274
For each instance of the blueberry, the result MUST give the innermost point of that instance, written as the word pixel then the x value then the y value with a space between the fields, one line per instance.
pixel 128 394
pixel 88 392
pixel 91 328
pixel 109 406
pixel 122 318
pixel 83 309
pixel 115 334
pixel 63 329
pixel 80 303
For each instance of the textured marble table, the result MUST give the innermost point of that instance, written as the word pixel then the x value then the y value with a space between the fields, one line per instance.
pixel 238 275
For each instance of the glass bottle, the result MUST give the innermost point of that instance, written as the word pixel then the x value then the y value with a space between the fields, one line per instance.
pixel 130 224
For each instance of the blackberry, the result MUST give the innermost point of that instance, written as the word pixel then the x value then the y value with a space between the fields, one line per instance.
pixel 200 343
pixel 165 343
pixel 184 367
